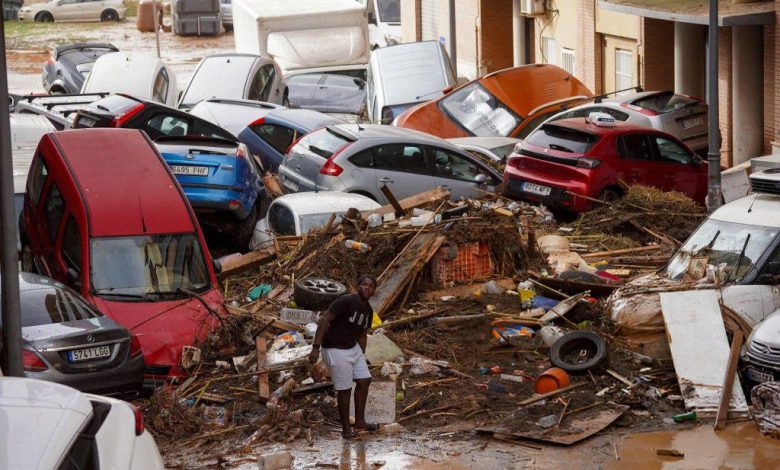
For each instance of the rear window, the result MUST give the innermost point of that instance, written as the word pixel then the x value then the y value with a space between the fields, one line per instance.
pixel 562 139
pixel 281 220
pixel 47 306
pixel 213 70
pixel 115 104
pixel 323 143
pixel 665 103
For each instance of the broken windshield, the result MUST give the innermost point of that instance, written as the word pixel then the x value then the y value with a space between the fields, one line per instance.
pixel 479 112
pixel 739 246
pixel 133 267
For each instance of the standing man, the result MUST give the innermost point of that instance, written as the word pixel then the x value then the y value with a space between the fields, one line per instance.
pixel 341 335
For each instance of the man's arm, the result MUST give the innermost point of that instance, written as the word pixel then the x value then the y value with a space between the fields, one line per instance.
pixel 322 326
pixel 361 339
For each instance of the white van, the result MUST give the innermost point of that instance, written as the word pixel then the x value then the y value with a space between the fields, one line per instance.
pixel 384 22
pixel 298 213
pixel 140 75
pixel 401 76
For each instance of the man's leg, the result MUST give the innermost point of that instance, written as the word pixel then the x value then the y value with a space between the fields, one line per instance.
pixel 341 376
pixel 342 398
pixel 361 395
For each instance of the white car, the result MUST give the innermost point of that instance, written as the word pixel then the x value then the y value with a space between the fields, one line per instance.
pixel 47 425
pixel 74 10
pixel 137 74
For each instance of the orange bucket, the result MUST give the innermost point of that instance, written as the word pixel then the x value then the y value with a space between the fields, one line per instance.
pixel 550 380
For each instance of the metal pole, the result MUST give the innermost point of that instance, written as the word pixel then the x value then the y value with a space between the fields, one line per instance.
pixel 155 6
pixel 453 39
pixel 713 115
pixel 9 274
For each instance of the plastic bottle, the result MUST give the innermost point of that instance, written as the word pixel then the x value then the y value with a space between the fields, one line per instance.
pixel 690 416
pixel 357 246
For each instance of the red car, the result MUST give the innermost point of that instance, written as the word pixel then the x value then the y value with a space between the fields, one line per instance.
pixel 591 157
pixel 104 215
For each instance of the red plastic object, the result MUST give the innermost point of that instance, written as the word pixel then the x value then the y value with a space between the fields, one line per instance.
pixel 495 369
pixel 550 380
pixel 472 261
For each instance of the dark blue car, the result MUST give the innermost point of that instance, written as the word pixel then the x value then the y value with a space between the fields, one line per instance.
pixel 270 136
pixel 220 180
pixel 69 65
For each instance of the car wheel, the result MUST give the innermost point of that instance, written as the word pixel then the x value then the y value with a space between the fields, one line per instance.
pixel 579 352
pixel 247 227
pixel 109 15
pixel 317 293
pixel 44 17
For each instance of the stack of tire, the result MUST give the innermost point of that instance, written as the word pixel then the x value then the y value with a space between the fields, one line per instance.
pixel 317 293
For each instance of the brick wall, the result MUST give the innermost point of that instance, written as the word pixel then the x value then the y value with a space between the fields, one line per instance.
pixel 769 87
pixel 495 32
pixel 724 95
pixel 589 54
pixel 657 54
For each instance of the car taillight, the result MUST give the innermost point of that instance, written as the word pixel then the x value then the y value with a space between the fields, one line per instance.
pixel 52 60
pixel 242 151
pixel 135 346
pixel 258 122
pixel 121 119
pixel 234 204
pixel 32 362
pixel 139 419
pixel 588 163
pixel 330 168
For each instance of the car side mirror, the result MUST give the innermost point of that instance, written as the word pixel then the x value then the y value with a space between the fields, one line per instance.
pixel 73 278
pixel 480 179
pixel 371 18
pixel 217 266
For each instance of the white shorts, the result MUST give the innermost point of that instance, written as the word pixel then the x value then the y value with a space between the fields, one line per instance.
pixel 345 366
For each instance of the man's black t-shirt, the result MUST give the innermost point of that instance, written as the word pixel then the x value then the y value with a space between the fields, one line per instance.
pixel 353 316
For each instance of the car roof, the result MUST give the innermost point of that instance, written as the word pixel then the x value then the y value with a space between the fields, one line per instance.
pixel 324 202
pixel 233 115
pixel 126 186
pixel 306 119
pixel 379 131
pixel 486 142
pixel 756 209
pixel 111 70
pixel 618 127
pixel 44 417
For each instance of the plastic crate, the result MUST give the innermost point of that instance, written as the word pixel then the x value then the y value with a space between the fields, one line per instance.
pixel 462 262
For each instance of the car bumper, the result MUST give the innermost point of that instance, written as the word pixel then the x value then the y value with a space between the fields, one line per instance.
pixel 212 198
pixel 126 379
pixel 758 370
pixel 560 198
pixel 292 183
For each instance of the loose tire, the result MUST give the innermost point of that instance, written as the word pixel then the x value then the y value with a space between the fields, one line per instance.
pixel 44 17
pixel 579 352
pixel 316 293
pixel 109 15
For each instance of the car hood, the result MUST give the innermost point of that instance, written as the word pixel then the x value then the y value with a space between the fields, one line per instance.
pixel 768 331
pixel 163 328
pixel 53 331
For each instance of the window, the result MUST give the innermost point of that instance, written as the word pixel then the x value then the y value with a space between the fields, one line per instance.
pixel 567 60
pixel 479 112
pixel 37 177
pixel 770 273
pixel 281 220
pixel 54 305
pixel 666 102
pixel 71 245
pixel 363 159
pixel 54 206
pixel 454 166
pixel 261 83
pixel 160 90
pixel 210 130
pixel 671 152
pixel 531 125
pixel 399 157
pixel 166 125
pixel 635 147
pixel 278 137
pixel 323 143
pixel 549 50
pixel 624 71
pixel 562 139
pixel 389 11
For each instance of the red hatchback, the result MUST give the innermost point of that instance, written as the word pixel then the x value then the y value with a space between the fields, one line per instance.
pixel 591 157
pixel 104 215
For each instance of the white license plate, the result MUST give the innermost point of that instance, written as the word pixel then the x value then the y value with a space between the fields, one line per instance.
pixel 534 188
pixel 89 353
pixel 693 122
pixel 190 170
pixel 759 376
pixel 86 122
pixel 291 185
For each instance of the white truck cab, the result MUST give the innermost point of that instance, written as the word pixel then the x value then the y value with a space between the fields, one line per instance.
pixel 384 22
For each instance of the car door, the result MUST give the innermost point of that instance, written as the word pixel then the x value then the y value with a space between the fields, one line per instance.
pixel 636 164
pixel 460 174
pixel 277 139
pixel 681 170
pixel 261 83
pixel 403 168
pixel 52 212
pixel 66 10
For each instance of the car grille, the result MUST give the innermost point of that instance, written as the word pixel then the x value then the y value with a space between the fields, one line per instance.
pixel 764 353
pixel 549 158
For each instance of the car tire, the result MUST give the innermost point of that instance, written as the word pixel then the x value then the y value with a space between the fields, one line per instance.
pixel 44 17
pixel 109 15
pixel 246 228
pixel 316 293
pixel 579 352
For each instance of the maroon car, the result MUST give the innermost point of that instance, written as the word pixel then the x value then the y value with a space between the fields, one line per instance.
pixel 592 156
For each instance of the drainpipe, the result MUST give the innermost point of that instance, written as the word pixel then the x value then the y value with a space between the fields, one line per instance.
pixel 11 363
pixel 453 40
pixel 518 35
pixel 713 115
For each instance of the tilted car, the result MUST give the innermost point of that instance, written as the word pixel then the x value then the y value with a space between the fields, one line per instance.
pixel 220 181
pixel 507 103
pixel 69 66
pixel 593 157
pixel 48 425
pixel 682 116
pixel 363 158
pixel 139 74
pixel 68 341
pixel 232 115
pixel 74 10
pixel 493 150
pixel 343 96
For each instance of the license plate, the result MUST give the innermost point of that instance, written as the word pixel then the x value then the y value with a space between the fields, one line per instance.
pixel 89 353
pixel 693 122
pixel 190 170
pixel 291 185
pixel 759 376
pixel 86 122
pixel 534 188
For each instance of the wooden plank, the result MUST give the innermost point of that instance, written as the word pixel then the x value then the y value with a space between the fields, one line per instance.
pixel 623 251
pixel 263 387
pixel 700 350
pixel 274 322
pixel 728 381
pixel 542 396
pixel 237 264
pixel 399 211
pixel 436 195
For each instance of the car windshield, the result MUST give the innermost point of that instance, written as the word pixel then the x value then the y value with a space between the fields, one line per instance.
pixel 665 102
pixel 116 104
pixel 562 139
pixel 139 266
pixel 46 306
pixel 479 112
pixel 323 143
pixel 738 246
pixel 389 11
pixel 210 80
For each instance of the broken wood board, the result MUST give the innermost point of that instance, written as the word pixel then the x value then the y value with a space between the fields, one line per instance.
pixel 571 430
pixel 414 256
pixel 700 351
pixel 466 290
pixel 274 322
pixel 234 264
pixel 436 195
pixel 562 308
